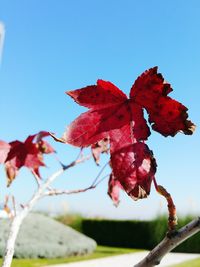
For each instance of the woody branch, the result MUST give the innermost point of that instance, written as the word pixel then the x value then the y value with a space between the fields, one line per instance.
pixel 171 240
pixel 40 192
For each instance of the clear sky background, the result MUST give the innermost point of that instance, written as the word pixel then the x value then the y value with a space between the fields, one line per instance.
pixel 53 46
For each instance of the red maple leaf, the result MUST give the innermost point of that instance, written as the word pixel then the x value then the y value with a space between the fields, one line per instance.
pixel 134 166
pixel 114 188
pixel 4 149
pixel 28 154
pixel 43 145
pixel 115 116
pixel 99 148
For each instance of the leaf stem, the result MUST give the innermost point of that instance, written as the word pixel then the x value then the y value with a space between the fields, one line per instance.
pixel 172 219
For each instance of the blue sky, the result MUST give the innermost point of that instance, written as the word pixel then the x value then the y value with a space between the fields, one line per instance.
pixel 54 46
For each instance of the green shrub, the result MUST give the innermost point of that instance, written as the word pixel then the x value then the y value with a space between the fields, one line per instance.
pixel 72 220
pixel 193 243
pixel 43 237
pixel 132 234
pixel 136 234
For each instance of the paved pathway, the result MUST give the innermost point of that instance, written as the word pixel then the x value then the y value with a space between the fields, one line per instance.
pixel 128 260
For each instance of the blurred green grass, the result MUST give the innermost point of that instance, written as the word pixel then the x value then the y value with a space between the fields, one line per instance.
pixel 100 252
pixel 192 263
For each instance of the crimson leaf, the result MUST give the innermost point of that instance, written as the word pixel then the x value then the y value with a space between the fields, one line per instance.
pixel 114 187
pixel 4 149
pixel 112 115
pixel 99 148
pixel 28 153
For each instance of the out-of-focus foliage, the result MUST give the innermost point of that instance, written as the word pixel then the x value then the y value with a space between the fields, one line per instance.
pixel 73 220
pixel 136 234
pixel 43 237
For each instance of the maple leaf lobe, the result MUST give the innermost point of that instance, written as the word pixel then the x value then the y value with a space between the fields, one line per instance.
pixel 166 115
pixel 97 96
pixel 114 187
pixel 134 166
pixel 28 153
pixel 4 150
pixel 99 148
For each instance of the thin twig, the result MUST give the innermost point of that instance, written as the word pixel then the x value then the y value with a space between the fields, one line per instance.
pixel 83 159
pixel 172 240
pixel 6 206
pixel 80 154
pixel 101 180
pixel 102 169
pixel 55 192
pixel 75 162
pixel 63 165
pixel 37 178
pixel 57 159
pixel 14 206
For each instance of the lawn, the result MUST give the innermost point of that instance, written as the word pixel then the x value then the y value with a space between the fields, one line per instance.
pixel 100 252
pixel 192 263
